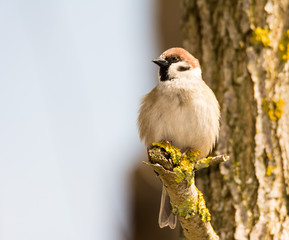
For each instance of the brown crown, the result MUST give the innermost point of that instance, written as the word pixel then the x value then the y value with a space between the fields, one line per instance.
pixel 183 55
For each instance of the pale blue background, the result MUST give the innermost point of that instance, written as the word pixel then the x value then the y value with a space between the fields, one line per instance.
pixel 71 77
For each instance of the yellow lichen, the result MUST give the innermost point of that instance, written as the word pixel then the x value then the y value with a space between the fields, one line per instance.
pixel 261 36
pixel 185 171
pixel 284 46
pixel 184 164
pixel 273 108
pixel 269 170
pixel 203 210
pixel 203 163
pixel 187 208
pixel 269 155
pixel 186 167
pixel 192 206
pixel 191 155
pixel 175 152
pixel 180 176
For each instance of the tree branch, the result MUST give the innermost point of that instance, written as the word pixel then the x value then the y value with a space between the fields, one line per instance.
pixel 186 200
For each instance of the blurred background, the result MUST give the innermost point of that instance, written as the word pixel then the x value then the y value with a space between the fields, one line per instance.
pixel 72 74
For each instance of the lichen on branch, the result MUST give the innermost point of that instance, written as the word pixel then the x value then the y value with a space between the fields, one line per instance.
pixel 192 206
pixel 183 165
pixel 177 172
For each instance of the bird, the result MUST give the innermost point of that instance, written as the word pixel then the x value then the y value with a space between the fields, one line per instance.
pixel 182 110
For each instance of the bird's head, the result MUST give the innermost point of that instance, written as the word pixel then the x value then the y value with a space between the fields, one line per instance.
pixel 177 63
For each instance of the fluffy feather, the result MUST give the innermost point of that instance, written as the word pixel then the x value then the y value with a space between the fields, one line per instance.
pixel 181 109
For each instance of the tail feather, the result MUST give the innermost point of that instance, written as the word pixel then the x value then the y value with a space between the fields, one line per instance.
pixel 166 217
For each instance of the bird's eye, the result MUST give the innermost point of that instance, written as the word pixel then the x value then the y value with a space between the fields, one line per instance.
pixel 173 59
pixel 183 68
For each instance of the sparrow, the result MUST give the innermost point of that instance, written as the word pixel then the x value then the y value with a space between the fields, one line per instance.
pixel 182 110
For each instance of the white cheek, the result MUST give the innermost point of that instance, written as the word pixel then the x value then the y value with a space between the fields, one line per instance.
pixel 194 74
pixel 190 75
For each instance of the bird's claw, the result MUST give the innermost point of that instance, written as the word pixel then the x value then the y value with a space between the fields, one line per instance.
pixel 188 149
pixel 169 143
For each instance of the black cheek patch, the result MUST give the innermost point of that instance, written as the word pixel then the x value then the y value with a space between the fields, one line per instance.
pixel 164 74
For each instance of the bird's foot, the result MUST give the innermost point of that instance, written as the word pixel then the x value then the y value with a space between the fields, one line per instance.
pixel 169 143
pixel 188 149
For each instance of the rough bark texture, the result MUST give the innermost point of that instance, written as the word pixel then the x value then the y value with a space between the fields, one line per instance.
pixel 248 196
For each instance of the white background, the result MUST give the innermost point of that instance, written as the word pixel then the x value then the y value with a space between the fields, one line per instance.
pixel 72 74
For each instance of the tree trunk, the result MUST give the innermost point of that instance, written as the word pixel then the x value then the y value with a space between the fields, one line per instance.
pixel 239 44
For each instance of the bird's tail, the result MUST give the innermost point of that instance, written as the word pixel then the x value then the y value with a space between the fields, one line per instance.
pixel 166 217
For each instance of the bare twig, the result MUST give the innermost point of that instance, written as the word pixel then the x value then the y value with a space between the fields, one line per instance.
pixel 210 161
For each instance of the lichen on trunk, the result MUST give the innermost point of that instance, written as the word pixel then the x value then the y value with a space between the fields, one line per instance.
pixel 242 48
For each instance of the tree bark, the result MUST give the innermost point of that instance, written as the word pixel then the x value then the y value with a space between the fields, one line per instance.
pixel 248 197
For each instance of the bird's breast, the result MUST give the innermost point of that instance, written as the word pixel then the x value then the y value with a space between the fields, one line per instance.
pixel 184 117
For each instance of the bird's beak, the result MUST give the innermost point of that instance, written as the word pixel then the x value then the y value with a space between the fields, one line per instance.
pixel 161 62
